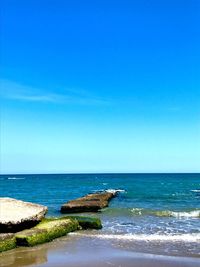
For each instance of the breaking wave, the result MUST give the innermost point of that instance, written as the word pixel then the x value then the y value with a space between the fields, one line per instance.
pixel 147 237
pixel 195 190
pixel 16 178
pixel 115 191
pixel 115 211
pixel 167 213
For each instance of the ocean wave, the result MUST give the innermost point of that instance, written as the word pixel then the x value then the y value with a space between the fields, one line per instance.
pixel 116 211
pixel 147 237
pixel 115 191
pixel 167 213
pixel 16 178
pixel 190 214
pixel 137 211
pixel 195 190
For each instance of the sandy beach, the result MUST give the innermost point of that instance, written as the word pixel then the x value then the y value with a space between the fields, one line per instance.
pixel 76 251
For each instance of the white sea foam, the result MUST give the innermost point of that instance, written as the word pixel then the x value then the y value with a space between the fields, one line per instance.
pixel 137 211
pixel 177 214
pixel 167 213
pixel 186 238
pixel 195 190
pixel 16 178
pixel 114 191
pixel 191 214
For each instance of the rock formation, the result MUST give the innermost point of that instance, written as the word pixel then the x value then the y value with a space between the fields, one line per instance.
pixel 27 219
pixel 88 203
pixel 16 215
pixel 47 230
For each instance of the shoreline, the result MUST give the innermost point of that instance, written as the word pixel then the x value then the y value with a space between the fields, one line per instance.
pixel 76 251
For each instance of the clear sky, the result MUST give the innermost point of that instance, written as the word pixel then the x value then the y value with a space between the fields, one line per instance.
pixel 100 86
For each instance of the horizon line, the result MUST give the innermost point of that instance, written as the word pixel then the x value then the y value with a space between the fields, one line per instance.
pixel 80 173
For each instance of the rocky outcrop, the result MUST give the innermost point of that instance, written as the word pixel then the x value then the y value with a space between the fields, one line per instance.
pixel 47 230
pixel 16 215
pixel 88 203
pixel 52 228
pixel 27 221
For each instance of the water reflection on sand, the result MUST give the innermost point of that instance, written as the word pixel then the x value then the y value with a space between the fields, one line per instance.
pixel 24 257
pixel 39 255
pixel 77 251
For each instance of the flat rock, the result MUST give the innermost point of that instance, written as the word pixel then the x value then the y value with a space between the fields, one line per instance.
pixel 16 215
pixel 88 203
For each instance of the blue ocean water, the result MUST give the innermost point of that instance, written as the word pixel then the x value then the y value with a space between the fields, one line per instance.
pixel 149 207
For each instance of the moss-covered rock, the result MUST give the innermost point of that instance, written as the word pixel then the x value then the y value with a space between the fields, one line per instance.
pixel 7 242
pixel 87 222
pixel 46 231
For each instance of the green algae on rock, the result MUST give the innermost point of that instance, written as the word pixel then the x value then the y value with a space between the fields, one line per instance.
pixel 87 222
pixel 7 242
pixel 46 231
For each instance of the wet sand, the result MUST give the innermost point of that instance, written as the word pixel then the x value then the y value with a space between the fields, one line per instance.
pixel 79 251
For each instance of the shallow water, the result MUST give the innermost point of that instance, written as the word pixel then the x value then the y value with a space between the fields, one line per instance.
pixel 160 210
pixel 84 251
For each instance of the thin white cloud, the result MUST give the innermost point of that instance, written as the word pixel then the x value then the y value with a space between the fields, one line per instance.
pixel 13 90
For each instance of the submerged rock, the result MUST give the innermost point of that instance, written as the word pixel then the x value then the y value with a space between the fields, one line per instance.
pixel 7 241
pixel 17 215
pixel 88 203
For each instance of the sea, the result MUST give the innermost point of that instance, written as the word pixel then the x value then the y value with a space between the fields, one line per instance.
pixel 153 213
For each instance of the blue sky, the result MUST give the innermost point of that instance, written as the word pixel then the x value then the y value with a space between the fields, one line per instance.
pixel 100 86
